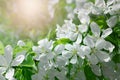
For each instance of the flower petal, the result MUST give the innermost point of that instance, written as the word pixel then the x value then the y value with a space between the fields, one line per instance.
pixel 20 43
pixel 109 2
pixel 72 36
pixel 69 47
pixel 100 3
pixel 79 39
pixel 59 48
pixel 80 75
pixel 88 41
pixel 37 57
pixel 81 53
pixel 39 75
pixel 100 44
pixel 95 29
pixel 8 54
pixel 60 61
pixel 3 70
pixel 103 56
pixel 109 46
pixel 86 50
pixel 93 59
pixel 108 70
pixel 50 55
pixel 106 33
pixel 82 28
pixel 112 21
pixel 2 61
pixel 19 59
pixel 96 70
pixel 2 77
pixel 36 49
pixel 45 43
pixel 74 59
pixel 43 58
pixel 10 73
pixel 84 19
pixel 67 54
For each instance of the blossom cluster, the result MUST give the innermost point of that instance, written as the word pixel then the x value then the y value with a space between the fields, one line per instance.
pixel 81 51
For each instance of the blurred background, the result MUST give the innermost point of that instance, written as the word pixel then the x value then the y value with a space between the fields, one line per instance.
pixel 30 19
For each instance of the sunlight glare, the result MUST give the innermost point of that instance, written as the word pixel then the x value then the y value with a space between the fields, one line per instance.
pixel 29 8
pixel 29 11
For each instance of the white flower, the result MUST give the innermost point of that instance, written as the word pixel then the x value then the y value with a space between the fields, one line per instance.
pixel 96 31
pixel 7 61
pixel 9 75
pixel 115 8
pixel 59 48
pixel 100 3
pixel 52 73
pixel 109 2
pixel 44 48
pixel 96 51
pixel 71 51
pixel 98 7
pixel 20 43
pixel 83 6
pixel 97 43
pixel 70 12
pixel 61 75
pixel 40 74
pixel 84 18
pixel 18 59
pixel 44 53
pixel 68 30
pixel 112 7
pixel 82 28
pixel 45 44
pixel 59 59
pixel 71 31
pixel 109 70
pixel 71 15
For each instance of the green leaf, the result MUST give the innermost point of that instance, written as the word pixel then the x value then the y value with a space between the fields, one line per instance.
pixel 29 62
pixel 62 41
pixel 29 44
pixel 89 74
pixel 92 1
pixel 26 69
pixel 100 20
pixel 27 47
pixel 116 58
pixel 23 74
